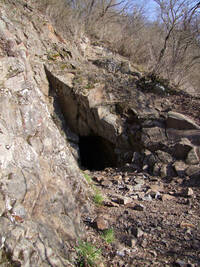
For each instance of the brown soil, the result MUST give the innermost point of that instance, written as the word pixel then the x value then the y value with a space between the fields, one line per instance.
pixel 153 232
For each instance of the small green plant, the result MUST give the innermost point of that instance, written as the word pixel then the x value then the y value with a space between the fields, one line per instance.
pixel 89 86
pixel 87 178
pixel 78 79
pixel 98 198
pixel 53 56
pixel 88 254
pixel 108 235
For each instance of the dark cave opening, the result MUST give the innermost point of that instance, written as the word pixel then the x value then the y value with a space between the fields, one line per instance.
pixel 96 153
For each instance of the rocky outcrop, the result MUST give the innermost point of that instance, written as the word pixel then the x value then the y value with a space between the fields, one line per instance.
pixel 42 190
pixel 135 122
pixel 132 127
pixel 180 122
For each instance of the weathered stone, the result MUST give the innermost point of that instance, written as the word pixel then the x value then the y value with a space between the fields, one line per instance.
pixel 182 148
pixel 127 200
pixel 176 136
pixel 153 137
pixel 180 168
pixel 139 181
pixel 138 187
pixel 138 207
pixel 117 179
pixel 133 242
pixel 121 199
pixel 164 171
pixel 167 170
pixel 178 121
pixel 102 223
pixel 130 187
pixel 41 184
pixel 156 169
pixel 148 196
pixel 96 95
pixel 181 263
pixel 164 156
pixel 187 225
pixel 110 203
pixel 150 159
pixel 190 192
pixel 166 197
pixel 106 183
pixel 193 156
pixel 193 172
pixel 156 188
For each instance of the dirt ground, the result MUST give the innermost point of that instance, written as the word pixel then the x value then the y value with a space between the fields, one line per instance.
pixel 156 221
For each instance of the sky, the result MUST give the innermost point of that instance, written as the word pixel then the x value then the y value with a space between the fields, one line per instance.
pixel 150 7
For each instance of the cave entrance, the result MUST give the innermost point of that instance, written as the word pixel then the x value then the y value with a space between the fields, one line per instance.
pixel 96 153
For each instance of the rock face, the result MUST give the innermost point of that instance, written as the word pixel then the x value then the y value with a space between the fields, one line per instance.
pixel 123 129
pixel 54 106
pixel 42 189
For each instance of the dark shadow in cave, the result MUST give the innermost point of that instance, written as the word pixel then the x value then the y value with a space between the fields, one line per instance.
pixel 96 153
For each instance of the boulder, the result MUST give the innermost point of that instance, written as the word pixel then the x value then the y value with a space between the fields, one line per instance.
pixel 153 138
pixel 180 168
pixel 179 121
pixel 182 148
pixel 101 223
pixel 193 156
pixel 193 172
pixel 176 136
pixel 164 156
pixel 167 170
pixel 156 169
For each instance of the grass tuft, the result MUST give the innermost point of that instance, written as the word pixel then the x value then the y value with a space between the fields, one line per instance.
pixel 88 254
pixel 98 198
pixel 108 235
pixel 87 178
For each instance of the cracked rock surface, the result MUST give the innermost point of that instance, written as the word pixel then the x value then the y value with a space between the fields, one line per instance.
pixel 41 187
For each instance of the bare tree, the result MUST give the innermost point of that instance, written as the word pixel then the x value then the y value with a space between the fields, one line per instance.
pixel 179 36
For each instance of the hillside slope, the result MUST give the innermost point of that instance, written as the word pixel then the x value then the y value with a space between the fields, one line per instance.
pixel 66 106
